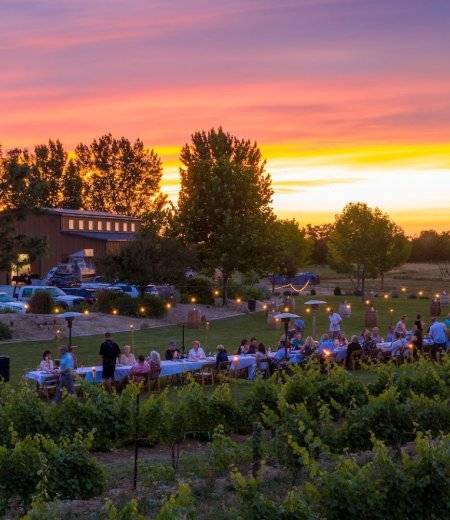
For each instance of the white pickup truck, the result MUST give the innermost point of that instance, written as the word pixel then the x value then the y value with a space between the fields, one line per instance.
pixel 65 300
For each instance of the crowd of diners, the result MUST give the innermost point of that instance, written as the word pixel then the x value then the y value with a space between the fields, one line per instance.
pixel 298 345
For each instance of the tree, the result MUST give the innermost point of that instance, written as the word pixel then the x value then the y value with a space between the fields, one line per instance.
pixel 13 245
pixel 72 187
pixel 121 177
pixel 148 259
pixel 289 249
pixel 319 236
pixel 364 243
pixel 431 246
pixel 224 203
pixel 32 180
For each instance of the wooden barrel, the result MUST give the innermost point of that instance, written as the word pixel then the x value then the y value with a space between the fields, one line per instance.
pixel 194 319
pixel 371 318
pixel 435 308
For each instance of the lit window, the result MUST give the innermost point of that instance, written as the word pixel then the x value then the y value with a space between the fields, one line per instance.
pixel 133 227
pixel 99 225
pixel 108 226
pixel 90 225
pixel 125 226
pixel 71 224
pixel 81 224
pixel 116 226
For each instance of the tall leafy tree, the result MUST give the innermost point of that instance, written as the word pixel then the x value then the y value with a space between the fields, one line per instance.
pixel 289 249
pixel 364 243
pixel 319 236
pixel 121 176
pixel 72 187
pixel 14 244
pixel 47 171
pixel 32 180
pixel 224 203
pixel 148 259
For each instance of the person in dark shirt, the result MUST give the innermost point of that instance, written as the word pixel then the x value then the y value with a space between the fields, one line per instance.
pixel 352 347
pixel 110 351
pixel 221 356
pixel 253 347
pixel 243 347
pixel 172 353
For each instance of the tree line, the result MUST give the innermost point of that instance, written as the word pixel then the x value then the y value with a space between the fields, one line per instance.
pixel 223 221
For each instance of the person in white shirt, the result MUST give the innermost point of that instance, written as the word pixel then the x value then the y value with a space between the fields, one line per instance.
pixel 196 353
pixel 335 323
pixel 400 328
pixel 46 365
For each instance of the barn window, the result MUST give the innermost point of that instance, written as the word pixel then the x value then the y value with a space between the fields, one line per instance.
pixel 71 223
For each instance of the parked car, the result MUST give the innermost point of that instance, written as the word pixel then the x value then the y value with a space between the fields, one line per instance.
pixel 65 300
pixel 131 290
pixel 152 289
pixel 87 294
pixel 62 281
pixel 10 304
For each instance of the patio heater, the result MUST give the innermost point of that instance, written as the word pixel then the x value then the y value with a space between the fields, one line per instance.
pixel 315 304
pixel 69 317
pixel 286 317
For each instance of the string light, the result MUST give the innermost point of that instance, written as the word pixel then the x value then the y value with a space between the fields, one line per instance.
pixel 367 302
pixel 308 310
pixel 403 289
pixel 286 309
pixel 420 293
pixel 328 309
pixel 264 307
pixel 216 293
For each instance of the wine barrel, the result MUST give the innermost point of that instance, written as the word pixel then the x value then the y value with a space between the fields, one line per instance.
pixel 435 308
pixel 194 319
pixel 371 318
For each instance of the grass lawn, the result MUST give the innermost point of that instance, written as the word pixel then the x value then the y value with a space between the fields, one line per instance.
pixel 25 356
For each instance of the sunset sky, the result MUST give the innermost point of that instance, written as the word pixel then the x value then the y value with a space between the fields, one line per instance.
pixel 348 99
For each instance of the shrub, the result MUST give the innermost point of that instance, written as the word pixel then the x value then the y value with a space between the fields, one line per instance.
pixel 179 506
pixel 337 291
pixel 226 453
pixel 153 306
pixel 198 287
pixel 148 305
pixel 129 512
pixel 39 464
pixel 5 331
pixel 263 393
pixel 41 303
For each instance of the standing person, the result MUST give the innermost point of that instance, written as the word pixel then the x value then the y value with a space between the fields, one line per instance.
pixel 438 334
pixel 400 327
pixel 299 324
pixel 66 367
pixel 110 351
pixel 335 323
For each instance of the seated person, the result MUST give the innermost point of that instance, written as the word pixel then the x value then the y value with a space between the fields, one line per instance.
pixel 221 356
pixel 127 357
pixel 261 355
pixel 253 346
pixel 154 363
pixel 309 346
pixel 353 346
pixel 376 335
pixel 46 364
pixel 172 352
pixel 280 354
pixel 297 341
pixel 243 348
pixel 141 368
pixel 368 343
pixel 398 344
pixel 326 342
pixel 390 334
pixel 196 353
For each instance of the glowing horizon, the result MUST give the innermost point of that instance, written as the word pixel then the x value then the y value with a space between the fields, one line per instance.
pixel 348 99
